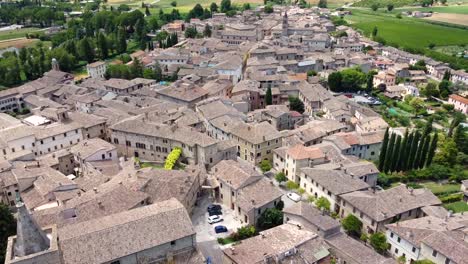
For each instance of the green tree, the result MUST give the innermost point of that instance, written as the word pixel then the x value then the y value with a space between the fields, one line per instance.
pixel 424 261
pixel 147 11
pixel 279 205
pixel 7 228
pixel 136 70
pixel 121 40
pixel 213 8
pixel 444 89
pixel 413 150
pixel 271 217
pixel 405 162
pixel 390 7
pixel 149 74
pixel 246 6
pixel 460 138
pixel 191 32
pixel 383 150
pixel 322 203
pixel 322 4
pixel 225 6
pixel 447 75
pixel 207 31
pixel 402 155
pixel 86 50
pixel 280 177
pixel 334 81
pixel 295 104
pixel 352 79
pixel 424 152
pixel 418 105
pixel 268 8
pixel 431 90
pixel 432 149
pixel 374 7
pixel 389 154
pixel 174 3
pixel 374 31
pixel 102 46
pixel 447 153
pixel 370 81
pixel 352 225
pixel 395 155
pixel 265 165
pixel 268 97
pixel 379 242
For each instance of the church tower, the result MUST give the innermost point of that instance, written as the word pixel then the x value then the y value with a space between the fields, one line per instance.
pixel 30 238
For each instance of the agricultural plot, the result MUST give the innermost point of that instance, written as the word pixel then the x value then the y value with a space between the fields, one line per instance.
pixel 407 32
pixel 16 33
pixel 460 19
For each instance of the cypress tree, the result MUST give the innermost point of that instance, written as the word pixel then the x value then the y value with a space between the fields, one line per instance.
pixel 427 127
pixel 121 40
pixel 396 152
pixel 424 152
pixel 419 152
pixel 383 150
pixel 268 97
pixel 402 154
pixel 460 138
pixel 409 142
pixel 413 151
pixel 389 155
pixel 432 150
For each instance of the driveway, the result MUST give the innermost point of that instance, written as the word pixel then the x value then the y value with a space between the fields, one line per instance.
pixel 206 236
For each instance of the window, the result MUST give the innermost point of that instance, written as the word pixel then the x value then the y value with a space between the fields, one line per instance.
pixel 391 234
pixel 173 243
pixel 399 239
pixel 116 141
pixel 414 249
pixel 447 261
pixel 396 250
pixel 434 253
pixel 53 138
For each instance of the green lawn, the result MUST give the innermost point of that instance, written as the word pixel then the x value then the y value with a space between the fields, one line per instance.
pixel 407 32
pixel 16 33
pixel 441 188
pixel 440 9
pixel 457 207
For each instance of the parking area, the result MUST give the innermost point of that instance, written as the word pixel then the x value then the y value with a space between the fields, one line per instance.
pixel 206 236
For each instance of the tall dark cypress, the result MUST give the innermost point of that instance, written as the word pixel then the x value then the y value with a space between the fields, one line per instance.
pixel 424 152
pixel 389 154
pixel 419 152
pixel 428 127
pixel 432 150
pixel 408 144
pixel 383 150
pixel 402 154
pixel 413 151
pixel 396 152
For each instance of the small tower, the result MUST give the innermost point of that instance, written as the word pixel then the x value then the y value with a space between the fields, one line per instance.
pixel 30 238
pixel 55 65
pixel 285 25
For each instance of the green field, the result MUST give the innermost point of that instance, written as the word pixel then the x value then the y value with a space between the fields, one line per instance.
pixel 441 188
pixel 407 32
pixel 457 207
pixel 16 33
pixel 440 9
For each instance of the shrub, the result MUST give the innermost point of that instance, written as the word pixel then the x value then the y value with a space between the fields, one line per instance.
pixel 310 198
pixel 379 242
pixel 280 205
pixel 172 158
pixel 292 185
pixel 352 225
pixel 322 203
pixel 280 177
pixel 452 198
pixel 265 165
pixel 300 191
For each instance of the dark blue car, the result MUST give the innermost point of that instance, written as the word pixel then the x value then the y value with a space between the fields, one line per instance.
pixel 220 229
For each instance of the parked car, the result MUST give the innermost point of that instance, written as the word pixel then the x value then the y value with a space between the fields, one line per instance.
pixel 215 219
pixel 214 207
pixel 294 196
pixel 220 229
pixel 215 212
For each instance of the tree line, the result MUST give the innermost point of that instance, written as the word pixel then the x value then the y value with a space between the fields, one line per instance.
pixel 413 151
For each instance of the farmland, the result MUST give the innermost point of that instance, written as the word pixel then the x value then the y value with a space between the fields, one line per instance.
pixel 461 19
pixel 439 9
pixel 16 33
pixel 407 32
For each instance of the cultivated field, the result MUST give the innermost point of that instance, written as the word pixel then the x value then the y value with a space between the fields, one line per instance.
pixel 407 32
pixel 16 33
pixel 460 19
pixel 455 9
pixel 18 43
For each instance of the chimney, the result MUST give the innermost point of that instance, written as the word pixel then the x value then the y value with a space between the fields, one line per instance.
pixel 233 252
pixel 95 190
